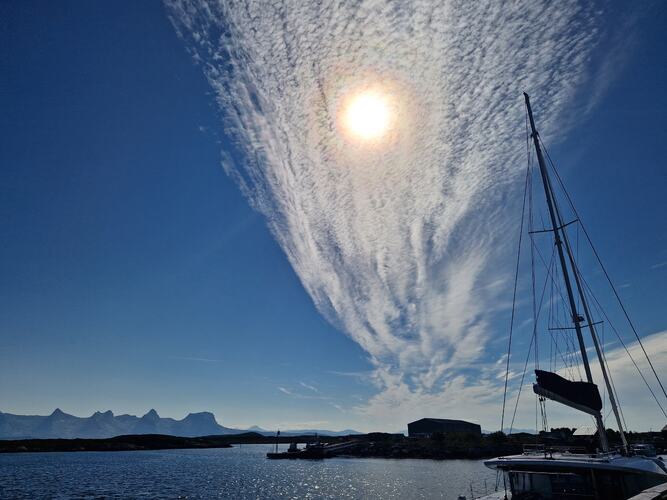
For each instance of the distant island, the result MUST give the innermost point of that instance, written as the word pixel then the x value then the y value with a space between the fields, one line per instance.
pixel 103 425
pixel 439 446
pixel 372 445
pixel 118 443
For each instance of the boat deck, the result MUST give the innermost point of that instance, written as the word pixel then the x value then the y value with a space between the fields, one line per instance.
pixel 566 460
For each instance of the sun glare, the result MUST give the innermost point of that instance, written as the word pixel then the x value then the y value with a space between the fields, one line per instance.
pixel 367 115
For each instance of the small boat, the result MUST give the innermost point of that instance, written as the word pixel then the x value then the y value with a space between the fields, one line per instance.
pixel 543 474
pixel 311 451
pixel 291 452
pixel 307 453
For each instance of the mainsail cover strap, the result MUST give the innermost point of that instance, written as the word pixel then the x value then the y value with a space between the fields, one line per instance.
pixel 583 396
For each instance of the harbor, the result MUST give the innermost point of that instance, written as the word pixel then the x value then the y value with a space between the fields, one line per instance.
pixel 355 250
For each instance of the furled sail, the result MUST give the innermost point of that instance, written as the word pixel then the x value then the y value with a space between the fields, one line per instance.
pixel 583 396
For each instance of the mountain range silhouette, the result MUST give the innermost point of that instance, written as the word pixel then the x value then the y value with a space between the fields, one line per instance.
pixel 105 424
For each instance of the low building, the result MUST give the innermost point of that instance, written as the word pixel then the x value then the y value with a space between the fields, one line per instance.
pixel 426 427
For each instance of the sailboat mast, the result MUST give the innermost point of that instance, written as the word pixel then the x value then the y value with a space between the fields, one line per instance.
pixel 557 228
pixel 596 342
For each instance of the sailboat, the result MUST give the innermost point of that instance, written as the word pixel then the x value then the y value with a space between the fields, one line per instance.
pixel 553 475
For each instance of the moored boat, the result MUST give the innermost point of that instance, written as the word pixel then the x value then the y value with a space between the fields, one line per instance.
pixel 554 475
pixel 314 450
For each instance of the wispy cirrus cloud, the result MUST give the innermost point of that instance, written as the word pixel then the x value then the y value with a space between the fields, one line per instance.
pixel 299 395
pixel 338 407
pixel 285 391
pixel 309 387
pixel 193 358
pixel 397 244
pixel 357 375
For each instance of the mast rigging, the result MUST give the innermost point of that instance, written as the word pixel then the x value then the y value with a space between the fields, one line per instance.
pixel 561 240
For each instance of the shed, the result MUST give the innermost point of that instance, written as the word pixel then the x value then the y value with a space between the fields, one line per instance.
pixel 426 427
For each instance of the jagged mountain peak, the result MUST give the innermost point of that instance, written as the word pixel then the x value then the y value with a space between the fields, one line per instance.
pixel 106 414
pixel 151 415
pixel 105 424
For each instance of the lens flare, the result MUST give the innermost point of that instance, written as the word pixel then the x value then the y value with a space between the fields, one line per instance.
pixel 367 115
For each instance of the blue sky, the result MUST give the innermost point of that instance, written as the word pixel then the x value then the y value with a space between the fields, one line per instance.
pixel 136 275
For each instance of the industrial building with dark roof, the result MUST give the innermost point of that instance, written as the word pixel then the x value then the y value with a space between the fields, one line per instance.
pixel 426 427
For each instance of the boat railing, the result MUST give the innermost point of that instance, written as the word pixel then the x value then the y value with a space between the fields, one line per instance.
pixel 534 449
pixel 542 449
pixel 579 450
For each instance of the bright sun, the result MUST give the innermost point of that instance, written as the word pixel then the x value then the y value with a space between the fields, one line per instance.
pixel 367 115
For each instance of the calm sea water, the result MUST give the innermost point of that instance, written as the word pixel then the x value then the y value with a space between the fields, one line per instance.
pixel 238 473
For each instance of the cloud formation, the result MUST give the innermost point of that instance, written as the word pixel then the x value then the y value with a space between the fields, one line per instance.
pixel 397 242
pixel 298 395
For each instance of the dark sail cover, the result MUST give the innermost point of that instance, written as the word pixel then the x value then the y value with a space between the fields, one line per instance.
pixel 581 395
